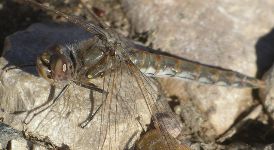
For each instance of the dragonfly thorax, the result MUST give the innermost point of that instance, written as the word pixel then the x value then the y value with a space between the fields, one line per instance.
pixel 55 64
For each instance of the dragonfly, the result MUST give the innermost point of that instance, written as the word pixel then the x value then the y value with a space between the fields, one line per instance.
pixel 119 63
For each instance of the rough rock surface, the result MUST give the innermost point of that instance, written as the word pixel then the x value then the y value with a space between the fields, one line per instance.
pixel 220 33
pixel 22 90
pixel 266 94
pixel 8 133
pixel 233 34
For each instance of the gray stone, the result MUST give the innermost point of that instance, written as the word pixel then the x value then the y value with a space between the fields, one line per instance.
pixel 22 90
pixel 7 133
pixel 219 33
pixel 266 94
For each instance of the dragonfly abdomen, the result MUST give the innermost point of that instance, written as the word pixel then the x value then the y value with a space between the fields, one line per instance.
pixel 156 65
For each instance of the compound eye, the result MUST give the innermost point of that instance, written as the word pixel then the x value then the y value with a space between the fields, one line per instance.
pixel 60 68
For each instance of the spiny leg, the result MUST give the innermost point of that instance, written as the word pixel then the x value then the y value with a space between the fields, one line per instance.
pixel 51 100
pixel 92 87
pixel 91 115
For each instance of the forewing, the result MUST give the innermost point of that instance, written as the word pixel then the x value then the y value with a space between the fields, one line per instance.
pixel 123 114
pixel 124 111
pixel 133 99
pixel 86 25
pixel 116 122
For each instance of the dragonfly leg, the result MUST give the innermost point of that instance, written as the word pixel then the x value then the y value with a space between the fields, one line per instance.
pixel 91 115
pixel 51 100
pixel 92 87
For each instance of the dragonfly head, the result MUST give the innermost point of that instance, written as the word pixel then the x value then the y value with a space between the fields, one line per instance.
pixel 55 64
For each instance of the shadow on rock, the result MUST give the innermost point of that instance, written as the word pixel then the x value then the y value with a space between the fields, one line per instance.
pixel 253 132
pixel 15 17
pixel 265 53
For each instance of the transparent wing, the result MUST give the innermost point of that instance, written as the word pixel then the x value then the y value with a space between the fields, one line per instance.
pixel 110 128
pixel 132 95
pixel 129 101
pixel 124 110
pixel 132 98
pixel 163 118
